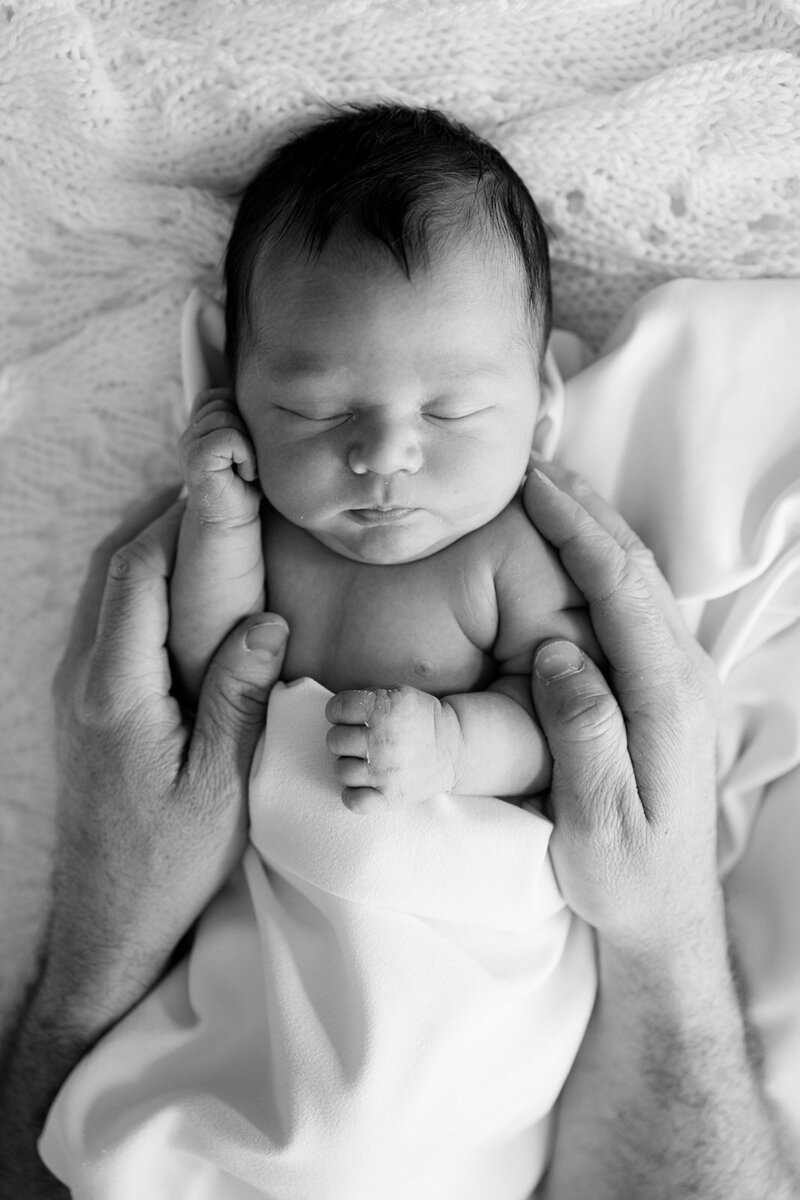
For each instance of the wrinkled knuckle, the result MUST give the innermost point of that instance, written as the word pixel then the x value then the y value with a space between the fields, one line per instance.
pixel 202 400
pixel 212 781
pixel 623 573
pixel 624 583
pixel 589 715
pixel 583 528
pixel 213 405
pixel 240 697
pixel 214 443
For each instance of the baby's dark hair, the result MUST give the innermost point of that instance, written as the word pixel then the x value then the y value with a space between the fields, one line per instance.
pixel 405 177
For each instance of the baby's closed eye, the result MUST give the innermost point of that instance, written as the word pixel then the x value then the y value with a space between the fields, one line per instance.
pixel 449 413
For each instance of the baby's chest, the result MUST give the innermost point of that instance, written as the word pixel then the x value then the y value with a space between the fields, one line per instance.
pixel 354 626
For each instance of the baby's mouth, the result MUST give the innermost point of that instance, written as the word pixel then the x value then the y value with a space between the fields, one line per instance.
pixel 379 514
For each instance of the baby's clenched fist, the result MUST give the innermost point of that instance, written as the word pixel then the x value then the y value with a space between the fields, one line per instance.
pixel 219 463
pixel 393 746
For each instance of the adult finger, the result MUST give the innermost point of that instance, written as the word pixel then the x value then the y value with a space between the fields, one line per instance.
pixel 128 661
pixel 233 700
pixel 87 610
pixel 586 733
pixel 600 821
pixel 635 636
pixel 614 523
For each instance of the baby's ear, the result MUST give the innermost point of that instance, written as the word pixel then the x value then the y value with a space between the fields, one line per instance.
pixel 551 407
pixel 203 361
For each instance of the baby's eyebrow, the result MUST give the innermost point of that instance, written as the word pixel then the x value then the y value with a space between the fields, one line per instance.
pixel 295 363
pixel 456 366
pixel 451 365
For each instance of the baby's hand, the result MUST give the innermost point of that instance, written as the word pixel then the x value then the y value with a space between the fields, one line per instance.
pixel 393 746
pixel 219 463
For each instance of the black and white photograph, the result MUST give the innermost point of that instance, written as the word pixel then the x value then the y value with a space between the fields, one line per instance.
pixel 400 619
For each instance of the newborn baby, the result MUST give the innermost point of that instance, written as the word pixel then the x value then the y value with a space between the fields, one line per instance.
pixel 387 320
pixel 386 1006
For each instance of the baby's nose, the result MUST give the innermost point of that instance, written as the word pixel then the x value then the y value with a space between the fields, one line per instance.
pixel 385 447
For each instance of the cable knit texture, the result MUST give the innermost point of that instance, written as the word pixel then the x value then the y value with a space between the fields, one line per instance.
pixel 660 139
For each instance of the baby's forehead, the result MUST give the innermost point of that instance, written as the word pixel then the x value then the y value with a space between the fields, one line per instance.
pixel 290 288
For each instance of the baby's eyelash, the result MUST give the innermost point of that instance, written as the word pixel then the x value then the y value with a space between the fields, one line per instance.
pixel 340 416
pixel 453 416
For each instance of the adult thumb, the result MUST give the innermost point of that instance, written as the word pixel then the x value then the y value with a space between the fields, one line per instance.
pixel 233 699
pixel 585 731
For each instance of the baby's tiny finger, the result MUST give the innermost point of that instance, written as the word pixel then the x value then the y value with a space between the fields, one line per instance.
pixel 246 469
pixel 352 772
pixel 348 741
pixel 350 708
pixel 209 396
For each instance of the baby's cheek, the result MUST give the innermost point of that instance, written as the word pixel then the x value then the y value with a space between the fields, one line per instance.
pixel 291 478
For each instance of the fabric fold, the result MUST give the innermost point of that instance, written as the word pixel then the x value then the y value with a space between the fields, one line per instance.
pixel 449 859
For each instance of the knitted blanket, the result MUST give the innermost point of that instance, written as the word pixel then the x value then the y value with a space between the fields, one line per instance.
pixel 660 138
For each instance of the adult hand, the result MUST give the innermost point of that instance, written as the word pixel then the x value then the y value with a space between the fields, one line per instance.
pixel 665 1098
pixel 151 820
pixel 152 812
pixel 633 792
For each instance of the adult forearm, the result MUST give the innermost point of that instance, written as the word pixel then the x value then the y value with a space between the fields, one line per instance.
pixel 77 997
pixel 36 1064
pixel 665 1100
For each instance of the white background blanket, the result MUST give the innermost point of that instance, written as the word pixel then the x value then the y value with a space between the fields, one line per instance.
pixel 661 139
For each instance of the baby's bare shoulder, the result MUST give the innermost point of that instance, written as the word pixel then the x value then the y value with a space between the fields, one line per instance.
pixel 514 550
pixel 534 595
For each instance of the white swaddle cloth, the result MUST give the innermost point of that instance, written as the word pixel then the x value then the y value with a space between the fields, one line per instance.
pixel 372 1008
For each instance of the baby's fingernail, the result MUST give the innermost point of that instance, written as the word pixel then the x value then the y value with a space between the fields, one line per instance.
pixel 267 637
pixel 557 660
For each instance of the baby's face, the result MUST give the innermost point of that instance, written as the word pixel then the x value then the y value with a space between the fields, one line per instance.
pixel 389 416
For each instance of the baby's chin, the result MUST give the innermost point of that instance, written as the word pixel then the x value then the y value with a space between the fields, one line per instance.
pixel 389 544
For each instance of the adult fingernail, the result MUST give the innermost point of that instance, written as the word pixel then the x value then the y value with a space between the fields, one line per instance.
pixel 544 478
pixel 267 637
pixel 556 660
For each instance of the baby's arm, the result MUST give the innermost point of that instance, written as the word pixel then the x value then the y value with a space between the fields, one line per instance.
pixel 219 569
pixel 536 601
pixel 402 746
